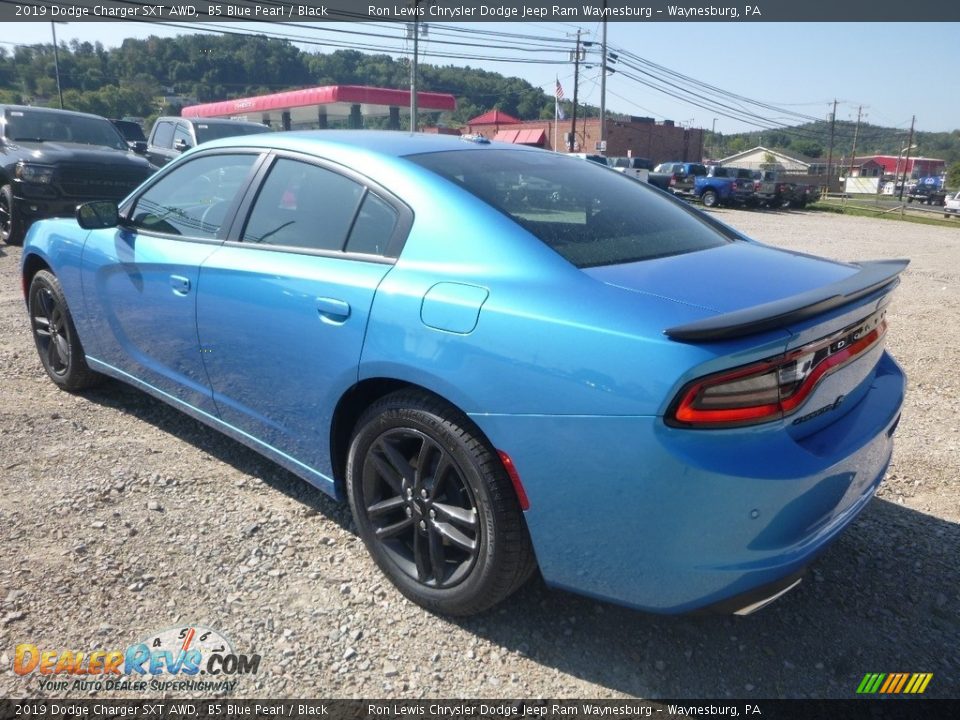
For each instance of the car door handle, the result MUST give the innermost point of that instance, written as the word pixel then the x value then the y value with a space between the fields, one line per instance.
pixel 180 284
pixel 332 310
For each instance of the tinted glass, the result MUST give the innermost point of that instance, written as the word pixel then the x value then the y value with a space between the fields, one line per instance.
pixel 193 199
pixel 214 131
pixel 130 130
pixel 373 228
pixel 182 133
pixel 586 213
pixel 163 136
pixel 45 126
pixel 302 205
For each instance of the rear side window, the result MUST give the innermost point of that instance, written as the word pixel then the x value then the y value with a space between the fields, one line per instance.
pixel 214 131
pixel 304 206
pixel 373 227
pixel 587 214
pixel 163 135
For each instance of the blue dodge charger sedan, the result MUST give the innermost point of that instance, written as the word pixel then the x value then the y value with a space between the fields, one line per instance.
pixel 504 359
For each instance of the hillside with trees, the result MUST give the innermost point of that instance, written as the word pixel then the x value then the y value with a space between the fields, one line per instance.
pixel 813 140
pixel 134 79
pixel 130 79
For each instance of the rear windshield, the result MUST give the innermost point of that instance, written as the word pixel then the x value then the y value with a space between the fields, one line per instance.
pixel 590 215
pixel 130 130
pixel 214 131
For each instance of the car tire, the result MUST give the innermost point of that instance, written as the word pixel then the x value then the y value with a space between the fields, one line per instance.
pixel 11 225
pixel 56 336
pixel 450 535
pixel 710 199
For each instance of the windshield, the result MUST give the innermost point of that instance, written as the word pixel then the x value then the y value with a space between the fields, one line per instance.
pixel 588 214
pixel 30 125
pixel 214 131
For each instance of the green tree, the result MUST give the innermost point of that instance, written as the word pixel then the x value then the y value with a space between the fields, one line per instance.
pixel 953 175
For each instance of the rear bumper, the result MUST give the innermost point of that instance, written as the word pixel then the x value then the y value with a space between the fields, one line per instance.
pixel 667 520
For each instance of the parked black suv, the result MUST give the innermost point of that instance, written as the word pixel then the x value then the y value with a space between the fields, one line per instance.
pixel 53 160
pixel 170 136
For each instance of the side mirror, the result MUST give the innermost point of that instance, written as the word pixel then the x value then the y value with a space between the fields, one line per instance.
pixel 98 215
pixel 180 145
pixel 139 147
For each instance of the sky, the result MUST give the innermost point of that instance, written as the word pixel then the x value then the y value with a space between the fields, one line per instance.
pixel 797 68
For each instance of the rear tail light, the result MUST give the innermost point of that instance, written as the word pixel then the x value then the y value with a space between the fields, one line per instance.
pixel 773 388
pixel 673 180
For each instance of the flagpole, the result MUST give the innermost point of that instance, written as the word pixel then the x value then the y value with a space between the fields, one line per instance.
pixel 556 115
pixel 556 119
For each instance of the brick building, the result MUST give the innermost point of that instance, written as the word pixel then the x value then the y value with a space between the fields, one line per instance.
pixel 639 137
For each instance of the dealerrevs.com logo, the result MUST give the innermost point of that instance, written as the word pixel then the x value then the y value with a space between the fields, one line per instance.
pixel 171 660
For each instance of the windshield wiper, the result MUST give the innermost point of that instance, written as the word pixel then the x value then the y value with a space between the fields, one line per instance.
pixel 29 139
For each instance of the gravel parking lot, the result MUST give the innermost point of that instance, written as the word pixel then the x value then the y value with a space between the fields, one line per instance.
pixel 120 517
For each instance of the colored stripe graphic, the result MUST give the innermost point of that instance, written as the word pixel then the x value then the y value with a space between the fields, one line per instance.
pixel 894 683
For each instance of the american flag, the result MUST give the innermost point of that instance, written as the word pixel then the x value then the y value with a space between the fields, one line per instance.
pixel 559 92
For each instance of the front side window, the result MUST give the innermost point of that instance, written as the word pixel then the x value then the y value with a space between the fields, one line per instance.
pixel 193 199
pixel 585 213
pixel 182 133
pixel 304 206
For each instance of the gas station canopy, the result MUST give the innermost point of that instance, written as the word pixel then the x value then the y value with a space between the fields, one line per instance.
pixel 313 107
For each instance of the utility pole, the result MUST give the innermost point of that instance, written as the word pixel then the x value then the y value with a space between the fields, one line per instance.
pixel 415 26
pixel 833 127
pixel 603 83
pixel 856 132
pixel 906 162
pixel 576 80
pixel 56 61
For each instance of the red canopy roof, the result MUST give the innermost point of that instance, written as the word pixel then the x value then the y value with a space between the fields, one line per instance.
pixel 336 98
pixel 494 117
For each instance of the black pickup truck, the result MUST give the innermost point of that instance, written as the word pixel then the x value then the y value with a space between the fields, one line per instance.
pixel 927 194
pixel 53 160
pixel 677 177
pixel 773 190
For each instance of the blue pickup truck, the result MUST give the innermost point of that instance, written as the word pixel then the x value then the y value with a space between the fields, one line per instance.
pixel 724 186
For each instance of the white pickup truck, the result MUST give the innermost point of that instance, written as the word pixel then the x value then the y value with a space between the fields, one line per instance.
pixel 636 167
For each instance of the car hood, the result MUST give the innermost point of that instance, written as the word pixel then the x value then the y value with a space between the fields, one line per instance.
pixel 727 278
pixel 53 152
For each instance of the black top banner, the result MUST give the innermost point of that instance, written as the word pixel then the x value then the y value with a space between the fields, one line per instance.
pixel 568 11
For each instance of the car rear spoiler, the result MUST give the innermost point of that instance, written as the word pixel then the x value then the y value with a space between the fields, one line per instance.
pixel 873 276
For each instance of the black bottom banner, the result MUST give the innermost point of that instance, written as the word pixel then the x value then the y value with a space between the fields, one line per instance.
pixel 231 709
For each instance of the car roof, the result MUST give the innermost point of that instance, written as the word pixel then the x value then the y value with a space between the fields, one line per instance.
pixel 392 143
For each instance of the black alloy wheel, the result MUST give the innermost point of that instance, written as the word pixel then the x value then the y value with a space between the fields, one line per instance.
pixel 434 506
pixel 421 508
pixel 55 335
pixel 11 226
